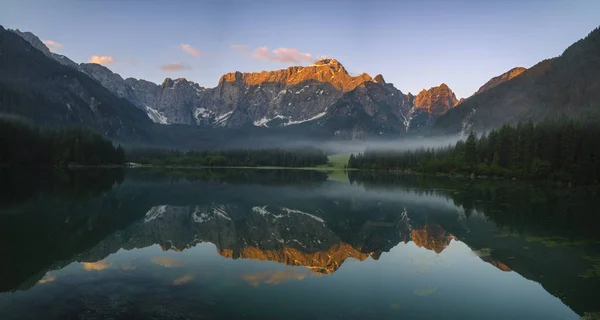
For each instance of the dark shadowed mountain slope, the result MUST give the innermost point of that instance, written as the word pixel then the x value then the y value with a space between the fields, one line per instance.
pixel 567 85
pixel 37 87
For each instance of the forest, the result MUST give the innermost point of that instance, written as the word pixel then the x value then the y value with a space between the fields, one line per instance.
pixel 24 144
pixel 565 150
pixel 299 157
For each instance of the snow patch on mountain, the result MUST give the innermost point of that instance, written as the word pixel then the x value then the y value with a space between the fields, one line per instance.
pixel 315 117
pixel 220 211
pixel 156 116
pixel 467 123
pixel 408 117
pixel 200 216
pixel 290 211
pixel 201 113
pixel 263 122
pixel 221 120
pixel 155 212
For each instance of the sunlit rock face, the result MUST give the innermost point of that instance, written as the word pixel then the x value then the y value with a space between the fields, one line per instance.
pixel 501 79
pixel 431 237
pixel 437 100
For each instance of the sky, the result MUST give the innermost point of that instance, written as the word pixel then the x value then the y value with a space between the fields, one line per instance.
pixel 413 44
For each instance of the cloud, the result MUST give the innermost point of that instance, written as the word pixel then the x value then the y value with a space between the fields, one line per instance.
pixel 100 265
pixel 134 61
pixel 183 280
pixel 47 278
pixel 167 262
pixel 52 45
pixel 128 266
pixel 175 66
pixel 276 277
pixel 282 55
pixel 102 59
pixel 241 47
pixel 189 49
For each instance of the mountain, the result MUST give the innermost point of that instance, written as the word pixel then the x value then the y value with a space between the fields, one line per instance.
pixel 323 95
pixel 568 85
pixel 436 100
pixel 35 86
pixel 38 44
pixel 501 79
pixel 168 103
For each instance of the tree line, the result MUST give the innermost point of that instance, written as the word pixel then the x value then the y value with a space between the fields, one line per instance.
pixel 556 149
pixel 276 157
pixel 24 144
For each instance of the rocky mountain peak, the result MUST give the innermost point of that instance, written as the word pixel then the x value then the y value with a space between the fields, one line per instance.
pixel 436 100
pixel 501 78
pixel 328 71
pixel 331 63
pixel 33 40
pixel 328 61
pixel 379 79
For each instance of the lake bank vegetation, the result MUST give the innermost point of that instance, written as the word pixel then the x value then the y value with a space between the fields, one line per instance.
pixel 276 157
pixel 24 144
pixel 560 150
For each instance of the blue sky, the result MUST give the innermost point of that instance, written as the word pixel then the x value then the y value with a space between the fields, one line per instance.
pixel 414 44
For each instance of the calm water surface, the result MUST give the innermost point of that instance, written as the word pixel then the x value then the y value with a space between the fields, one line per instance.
pixel 268 244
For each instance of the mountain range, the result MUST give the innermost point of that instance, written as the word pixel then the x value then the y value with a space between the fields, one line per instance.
pixel 322 99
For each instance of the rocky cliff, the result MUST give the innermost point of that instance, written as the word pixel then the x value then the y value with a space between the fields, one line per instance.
pixel 436 101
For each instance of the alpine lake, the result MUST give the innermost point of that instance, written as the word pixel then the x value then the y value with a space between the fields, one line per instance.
pixel 293 244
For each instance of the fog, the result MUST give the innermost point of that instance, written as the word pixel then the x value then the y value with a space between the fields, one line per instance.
pixel 356 146
pixel 390 145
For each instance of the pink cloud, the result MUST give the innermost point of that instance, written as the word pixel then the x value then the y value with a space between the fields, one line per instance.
pixel 52 45
pixel 102 59
pixel 175 66
pixel 282 55
pixel 189 49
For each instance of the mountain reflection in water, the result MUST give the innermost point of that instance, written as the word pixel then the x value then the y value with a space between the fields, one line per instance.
pixel 142 243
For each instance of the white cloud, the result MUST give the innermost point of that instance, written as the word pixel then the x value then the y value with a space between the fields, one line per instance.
pixel 189 49
pixel 52 45
pixel 282 55
pixel 175 66
pixel 102 59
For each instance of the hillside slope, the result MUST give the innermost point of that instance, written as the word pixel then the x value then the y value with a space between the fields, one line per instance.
pixel 567 85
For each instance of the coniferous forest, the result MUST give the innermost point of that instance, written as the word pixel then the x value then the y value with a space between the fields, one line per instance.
pixel 299 157
pixel 562 150
pixel 23 144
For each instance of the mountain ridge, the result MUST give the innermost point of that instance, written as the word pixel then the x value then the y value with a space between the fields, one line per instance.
pixel 508 75
pixel 328 100
pixel 278 98
pixel 34 85
pixel 564 86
